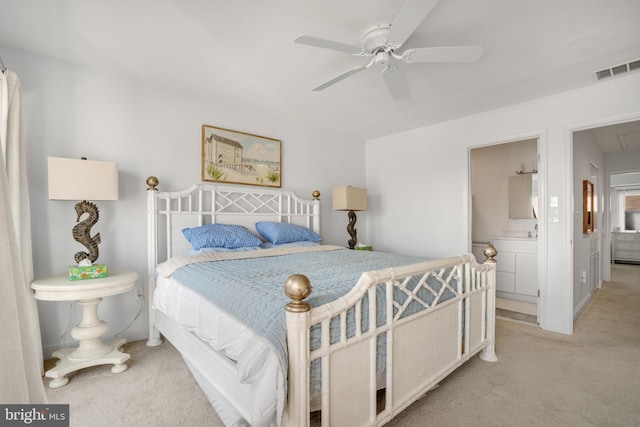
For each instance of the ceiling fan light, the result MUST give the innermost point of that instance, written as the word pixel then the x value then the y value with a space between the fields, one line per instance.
pixel 382 58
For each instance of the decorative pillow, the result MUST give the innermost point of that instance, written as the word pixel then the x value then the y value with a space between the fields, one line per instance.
pixel 282 232
pixel 242 249
pixel 220 236
pixel 267 245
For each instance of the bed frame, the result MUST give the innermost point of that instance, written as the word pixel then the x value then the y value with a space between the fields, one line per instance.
pixel 421 348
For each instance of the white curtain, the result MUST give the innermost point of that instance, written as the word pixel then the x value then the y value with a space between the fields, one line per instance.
pixel 21 349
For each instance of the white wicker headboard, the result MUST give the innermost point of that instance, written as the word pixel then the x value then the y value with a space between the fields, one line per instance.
pixel 169 212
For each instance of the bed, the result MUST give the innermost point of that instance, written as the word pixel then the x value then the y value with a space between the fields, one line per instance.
pixel 300 344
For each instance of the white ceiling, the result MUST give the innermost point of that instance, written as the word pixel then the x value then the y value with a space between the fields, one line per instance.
pixel 241 53
pixel 617 137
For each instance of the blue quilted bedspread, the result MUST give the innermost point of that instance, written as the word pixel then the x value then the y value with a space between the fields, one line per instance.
pixel 252 290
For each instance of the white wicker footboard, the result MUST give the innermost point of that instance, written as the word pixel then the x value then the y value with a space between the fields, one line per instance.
pixel 421 348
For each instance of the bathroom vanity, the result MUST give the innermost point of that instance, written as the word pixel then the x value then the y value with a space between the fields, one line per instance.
pixel 517 268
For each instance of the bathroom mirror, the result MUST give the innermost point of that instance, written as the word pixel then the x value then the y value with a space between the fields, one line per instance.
pixel 523 196
pixel 588 212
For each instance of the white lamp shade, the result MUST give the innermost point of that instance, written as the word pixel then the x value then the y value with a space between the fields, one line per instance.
pixel 76 179
pixel 349 199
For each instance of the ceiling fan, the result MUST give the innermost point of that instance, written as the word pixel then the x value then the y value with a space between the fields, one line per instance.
pixel 382 42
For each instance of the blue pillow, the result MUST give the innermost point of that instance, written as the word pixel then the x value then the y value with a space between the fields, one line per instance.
pixel 268 245
pixel 242 249
pixel 282 232
pixel 220 236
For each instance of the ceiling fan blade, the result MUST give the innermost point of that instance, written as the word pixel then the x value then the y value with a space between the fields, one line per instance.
pixel 395 82
pixel 339 77
pixel 411 15
pixel 443 54
pixel 328 44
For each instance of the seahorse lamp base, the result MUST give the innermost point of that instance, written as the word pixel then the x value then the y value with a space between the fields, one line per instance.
pixel 85 269
pixel 351 229
pixel 82 231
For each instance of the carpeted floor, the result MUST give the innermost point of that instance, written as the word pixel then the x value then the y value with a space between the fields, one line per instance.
pixel 590 378
pixel 517 316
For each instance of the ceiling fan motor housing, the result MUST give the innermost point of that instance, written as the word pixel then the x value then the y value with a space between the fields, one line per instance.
pixel 375 39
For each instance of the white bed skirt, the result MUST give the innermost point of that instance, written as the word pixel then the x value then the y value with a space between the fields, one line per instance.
pixel 248 358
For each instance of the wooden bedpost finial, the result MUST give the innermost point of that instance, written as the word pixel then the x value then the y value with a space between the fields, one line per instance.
pixel 490 252
pixel 152 182
pixel 297 287
pixel 316 195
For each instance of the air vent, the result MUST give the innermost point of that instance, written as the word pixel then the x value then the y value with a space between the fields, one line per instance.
pixel 617 70
pixel 629 141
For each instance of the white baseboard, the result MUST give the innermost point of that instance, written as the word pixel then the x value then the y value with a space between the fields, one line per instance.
pixel 580 308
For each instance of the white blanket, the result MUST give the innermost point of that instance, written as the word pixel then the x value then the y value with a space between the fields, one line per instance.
pixel 227 335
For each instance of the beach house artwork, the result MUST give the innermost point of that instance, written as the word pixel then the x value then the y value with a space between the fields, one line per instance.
pixel 240 158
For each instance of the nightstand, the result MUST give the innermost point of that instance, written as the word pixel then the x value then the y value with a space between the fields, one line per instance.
pixel 91 350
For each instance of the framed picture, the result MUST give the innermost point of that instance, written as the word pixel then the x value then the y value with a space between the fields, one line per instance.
pixel 233 157
pixel 588 207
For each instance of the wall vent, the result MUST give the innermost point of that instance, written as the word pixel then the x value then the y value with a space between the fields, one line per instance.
pixel 617 70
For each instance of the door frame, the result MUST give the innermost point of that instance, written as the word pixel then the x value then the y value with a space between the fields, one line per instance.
pixel 541 137
pixel 605 236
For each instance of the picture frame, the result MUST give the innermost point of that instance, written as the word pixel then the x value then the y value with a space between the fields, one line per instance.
pixel 234 157
pixel 588 207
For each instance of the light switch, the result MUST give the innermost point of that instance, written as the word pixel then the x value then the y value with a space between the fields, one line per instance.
pixel 554 215
pixel 553 202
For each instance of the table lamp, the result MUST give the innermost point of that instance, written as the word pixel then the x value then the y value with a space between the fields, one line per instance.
pixel 82 179
pixel 350 199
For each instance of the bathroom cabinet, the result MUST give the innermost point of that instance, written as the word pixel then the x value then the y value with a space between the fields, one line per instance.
pixel 517 269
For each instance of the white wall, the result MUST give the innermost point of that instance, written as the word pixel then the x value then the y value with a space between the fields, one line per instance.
pixel 623 162
pixel 631 179
pixel 586 155
pixel 491 168
pixel 70 111
pixel 418 181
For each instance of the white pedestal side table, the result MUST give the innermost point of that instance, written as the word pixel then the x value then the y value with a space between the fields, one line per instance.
pixel 91 350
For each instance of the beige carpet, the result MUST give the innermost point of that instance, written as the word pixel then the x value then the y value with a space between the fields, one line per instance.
pixel 590 378
pixel 516 315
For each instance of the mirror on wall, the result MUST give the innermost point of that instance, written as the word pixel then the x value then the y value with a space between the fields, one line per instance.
pixel 523 196
pixel 588 212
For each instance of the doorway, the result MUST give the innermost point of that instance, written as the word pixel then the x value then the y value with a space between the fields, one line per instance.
pixel 625 202
pixel 509 221
pixel 616 145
